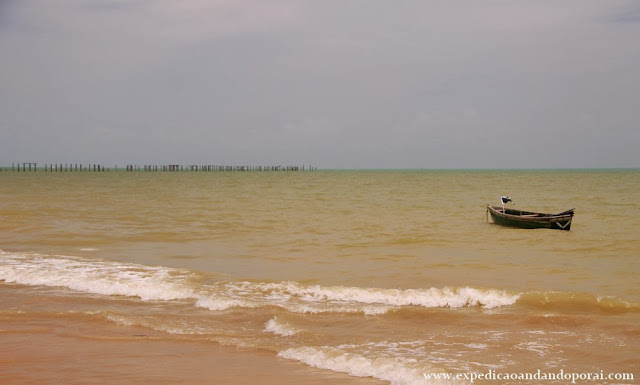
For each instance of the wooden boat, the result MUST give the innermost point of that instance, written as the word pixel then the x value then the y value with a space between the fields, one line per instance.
pixel 530 220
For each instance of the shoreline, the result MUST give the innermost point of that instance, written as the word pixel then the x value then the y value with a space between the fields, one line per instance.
pixel 47 351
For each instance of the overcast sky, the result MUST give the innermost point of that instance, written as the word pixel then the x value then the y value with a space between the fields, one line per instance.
pixel 334 84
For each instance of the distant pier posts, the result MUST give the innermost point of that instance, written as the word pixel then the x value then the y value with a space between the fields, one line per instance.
pixel 75 167
pixel 212 168
pixel 32 166
pixel 53 167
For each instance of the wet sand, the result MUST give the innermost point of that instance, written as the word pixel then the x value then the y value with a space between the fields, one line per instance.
pixel 46 352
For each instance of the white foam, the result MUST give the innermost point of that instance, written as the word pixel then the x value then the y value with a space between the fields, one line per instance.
pixel 217 304
pixel 539 348
pixel 396 370
pixel 163 283
pixel 476 346
pixel 433 297
pixel 97 277
pixel 282 329
pixel 299 298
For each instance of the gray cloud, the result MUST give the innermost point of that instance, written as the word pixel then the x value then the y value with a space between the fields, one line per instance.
pixel 335 84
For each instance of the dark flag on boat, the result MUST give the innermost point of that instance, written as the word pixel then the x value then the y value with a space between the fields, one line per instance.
pixel 505 200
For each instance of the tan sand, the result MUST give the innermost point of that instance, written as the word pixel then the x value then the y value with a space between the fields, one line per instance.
pixel 44 352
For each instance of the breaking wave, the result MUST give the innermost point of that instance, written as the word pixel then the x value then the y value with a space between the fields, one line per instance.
pixel 395 369
pixel 163 283
pixel 96 277
pixel 282 329
pixel 299 298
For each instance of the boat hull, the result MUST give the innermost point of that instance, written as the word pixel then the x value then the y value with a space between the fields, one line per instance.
pixel 530 220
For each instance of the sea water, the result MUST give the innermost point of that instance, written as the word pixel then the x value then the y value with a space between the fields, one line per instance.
pixel 392 275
